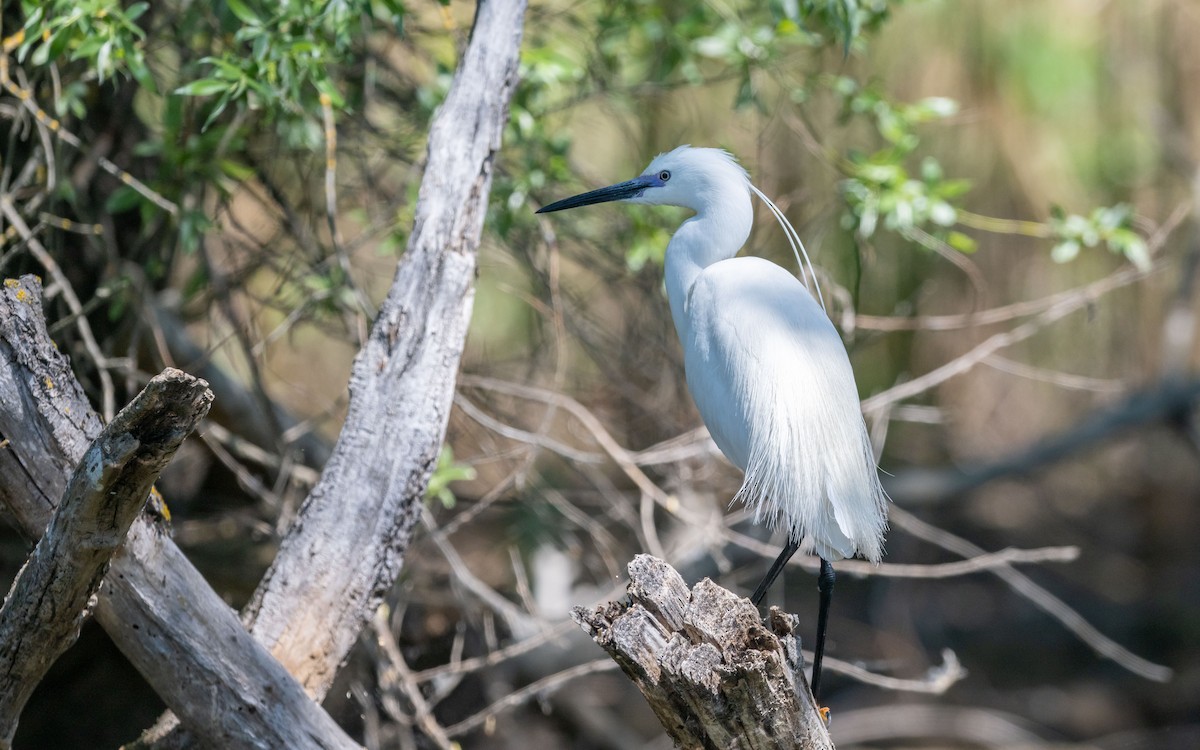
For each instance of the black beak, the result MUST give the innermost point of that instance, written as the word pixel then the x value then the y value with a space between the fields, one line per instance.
pixel 619 192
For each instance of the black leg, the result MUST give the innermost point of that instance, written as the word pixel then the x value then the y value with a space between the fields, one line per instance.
pixel 825 589
pixel 789 549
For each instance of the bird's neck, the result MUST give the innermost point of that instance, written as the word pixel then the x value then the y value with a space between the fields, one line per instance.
pixel 710 236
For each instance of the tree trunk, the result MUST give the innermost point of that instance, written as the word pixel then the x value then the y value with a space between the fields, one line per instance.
pixel 716 677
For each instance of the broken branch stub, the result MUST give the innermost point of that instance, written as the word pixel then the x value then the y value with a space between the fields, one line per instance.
pixel 713 673
pixel 179 633
pixel 50 597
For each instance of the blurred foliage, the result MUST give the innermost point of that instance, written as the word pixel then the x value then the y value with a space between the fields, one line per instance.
pixel 878 185
pixel 278 61
pixel 283 53
pixel 446 473
pixel 640 48
pixel 889 185
pixel 101 34
pixel 1110 225
pixel 231 68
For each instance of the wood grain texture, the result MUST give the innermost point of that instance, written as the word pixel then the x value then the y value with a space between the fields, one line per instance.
pixel 714 674
pixel 347 545
pixel 348 542
pixel 184 639
pixel 51 595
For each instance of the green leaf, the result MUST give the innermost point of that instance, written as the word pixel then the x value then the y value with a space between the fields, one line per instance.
pixel 192 226
pixel 746 94
pixel 1065 252
pixel 1138 254
pixel 243 12
pixel 325 86
pixel 141 73
pixel 123 200
pixel 135 11
pixel 41 55
pixel 218 108
pixel 230 70
pixel 203 87
pixel 949 189
pixel 936 107
pixel 236 170
pixel 961 242
pixel 931 170
pixel 447 471
pixel 117 303
pixel 943 214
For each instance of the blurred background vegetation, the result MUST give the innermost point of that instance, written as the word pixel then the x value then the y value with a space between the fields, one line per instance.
pixel 1000 198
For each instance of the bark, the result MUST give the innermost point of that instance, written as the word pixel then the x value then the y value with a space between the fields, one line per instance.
pixel 50 597
pixel 188 644
pixel 715 676
pixel 348 542
pixel 346 547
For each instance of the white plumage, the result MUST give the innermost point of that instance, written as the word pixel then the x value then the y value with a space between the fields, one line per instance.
pixel 766 368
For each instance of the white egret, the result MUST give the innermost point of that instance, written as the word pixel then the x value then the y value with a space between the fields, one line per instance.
pixel 766 368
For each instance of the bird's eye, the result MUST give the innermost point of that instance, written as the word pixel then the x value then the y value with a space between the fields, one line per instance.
pixel 664 175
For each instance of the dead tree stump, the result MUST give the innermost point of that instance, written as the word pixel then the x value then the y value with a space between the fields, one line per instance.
pixel 715 675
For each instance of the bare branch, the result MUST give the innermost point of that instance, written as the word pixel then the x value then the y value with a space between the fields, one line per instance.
pixel 623 458
pixel 27 100
pixel 346 547
pixel 1039 597
pixel 1168 400
pixel 984 561
pixel 44 257
pixel 544 686
pixel 963 726
pixel 1085 294
pixel 397 675
pixel 49 599
pixel 155 606
pixel 937 681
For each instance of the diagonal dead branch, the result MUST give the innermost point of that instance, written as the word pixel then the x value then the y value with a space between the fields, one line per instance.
pixel 1038 596
pixel 312 604
pixel 347 545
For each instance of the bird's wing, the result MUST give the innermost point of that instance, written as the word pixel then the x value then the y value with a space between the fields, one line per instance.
pixel 771 378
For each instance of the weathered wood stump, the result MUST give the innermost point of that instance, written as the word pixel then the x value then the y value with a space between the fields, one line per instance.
pixel 716 676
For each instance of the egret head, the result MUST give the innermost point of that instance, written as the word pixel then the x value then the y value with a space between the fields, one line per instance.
pixel 693 178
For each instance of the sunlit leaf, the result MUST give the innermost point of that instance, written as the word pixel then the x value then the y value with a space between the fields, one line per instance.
pixel 243 12
pixel 203 87
pixel 961 242
pixel 1065 251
